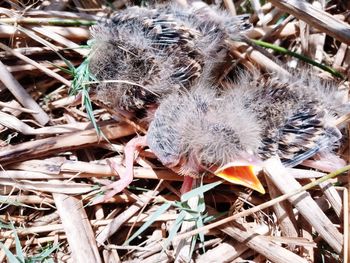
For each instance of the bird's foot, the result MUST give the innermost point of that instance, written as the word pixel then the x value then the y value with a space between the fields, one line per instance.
pixel 114 188
pixel 126 174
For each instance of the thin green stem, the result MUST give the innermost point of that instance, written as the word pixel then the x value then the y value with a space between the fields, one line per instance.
pixel 299 56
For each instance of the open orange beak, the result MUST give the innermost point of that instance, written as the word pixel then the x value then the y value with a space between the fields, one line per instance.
pixel 241 174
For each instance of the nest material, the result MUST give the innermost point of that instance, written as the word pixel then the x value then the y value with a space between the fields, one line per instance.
pixel 49 169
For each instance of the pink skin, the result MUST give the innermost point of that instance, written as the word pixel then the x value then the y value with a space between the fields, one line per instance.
pixel 187 184
pixel 126 177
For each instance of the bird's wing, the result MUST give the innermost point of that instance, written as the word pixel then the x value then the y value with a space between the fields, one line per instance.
pixel 165 141
pixel 303 135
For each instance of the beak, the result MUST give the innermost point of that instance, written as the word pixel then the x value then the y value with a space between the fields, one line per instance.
pixel 241 174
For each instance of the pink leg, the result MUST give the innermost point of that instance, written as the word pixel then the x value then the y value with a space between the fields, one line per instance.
pixel 186 185
pixel 126 176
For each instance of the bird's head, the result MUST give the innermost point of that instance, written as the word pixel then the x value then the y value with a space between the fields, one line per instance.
pixel 197 131
pixel 225 140
pixel 237 133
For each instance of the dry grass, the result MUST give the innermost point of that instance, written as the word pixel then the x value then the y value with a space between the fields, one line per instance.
pixel 53 162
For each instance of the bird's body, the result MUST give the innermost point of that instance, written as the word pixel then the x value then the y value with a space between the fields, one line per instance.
pixel 146 54
pixel 296 115
pixel 231 132
pixel 255 119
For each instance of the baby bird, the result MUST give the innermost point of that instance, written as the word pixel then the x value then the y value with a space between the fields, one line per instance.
pixel 232 133
pixel 296 115
pixel 191 135
pixel 141 55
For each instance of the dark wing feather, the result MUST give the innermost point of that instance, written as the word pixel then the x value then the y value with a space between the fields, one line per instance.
pixel 302 136
pixel 148 47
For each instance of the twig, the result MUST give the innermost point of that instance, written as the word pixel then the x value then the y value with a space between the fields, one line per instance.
pixel 53 145
pixel 36 64
pixel 230 6
pixel 21 95
pixel 78 228
pixel 316 18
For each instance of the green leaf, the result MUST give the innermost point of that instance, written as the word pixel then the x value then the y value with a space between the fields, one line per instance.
pixel 45 254
pixel 176 226
pixel 200 224
pixel 149 222
pixel 19 252
pixel 199 191
pixel 11 258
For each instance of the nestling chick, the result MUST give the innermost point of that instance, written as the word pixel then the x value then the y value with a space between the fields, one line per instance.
pixel 190 135
pixel 146 54
pixel 228 135
pixel 296 115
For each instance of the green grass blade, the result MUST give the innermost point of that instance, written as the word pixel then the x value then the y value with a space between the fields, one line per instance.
pixel 45 254
pixel 200 224
pixel 19 252
pixel 299 56
pixel 64 70
pixel 192 246
pixel 54 21
pixel 210 218
pixel 176 226
pixel 81 76
pixel 5 200
pixel 183 206
pixel 149 222
pixel 201 201
pixel 88 105
pixel 201 208
pixel 5 226
pixel 199 191
pixel 11 257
